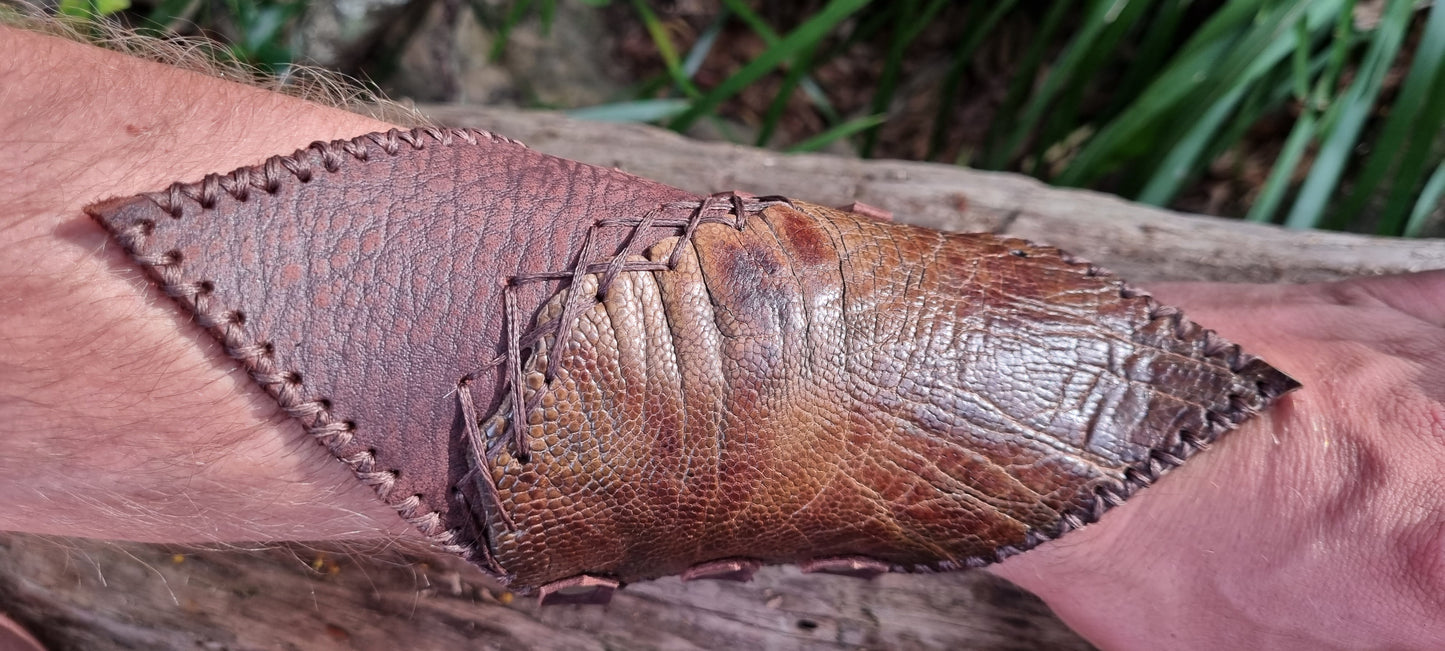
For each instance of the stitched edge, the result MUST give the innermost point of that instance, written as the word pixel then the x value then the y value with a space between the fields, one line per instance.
pixel 521 344
pixel 255 354
pixel 1269 383
pixel 486 439
pixel 228 326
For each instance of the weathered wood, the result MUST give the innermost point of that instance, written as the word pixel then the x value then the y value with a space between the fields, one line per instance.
pixel 1138 242
pixel 83 594
pixel 79 594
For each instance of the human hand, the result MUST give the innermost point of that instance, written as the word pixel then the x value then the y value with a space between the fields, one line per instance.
pixel 1320 524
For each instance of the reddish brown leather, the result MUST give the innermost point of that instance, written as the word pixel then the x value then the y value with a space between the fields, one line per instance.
pixel 803 384
pixel 822 384
pixel 370 272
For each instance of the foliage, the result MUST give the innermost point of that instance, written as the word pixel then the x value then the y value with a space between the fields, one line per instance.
pixel 1188 83
pixel 1137 97
pixel 255 32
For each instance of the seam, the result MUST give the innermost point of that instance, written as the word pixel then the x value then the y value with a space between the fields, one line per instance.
pixel 286 386
pixel 729 208
pixel 254 353
pixel 1268 383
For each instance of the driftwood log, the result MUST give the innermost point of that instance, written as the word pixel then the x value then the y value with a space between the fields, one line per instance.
pixel 82 594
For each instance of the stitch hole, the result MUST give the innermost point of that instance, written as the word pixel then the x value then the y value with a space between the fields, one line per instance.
pixel 146 227
pixel 172 256
pixel 205 287
pixel 349 426
pixel 292 377
pixel 236 317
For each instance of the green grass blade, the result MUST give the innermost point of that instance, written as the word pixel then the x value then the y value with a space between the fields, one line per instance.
pixel 819 98
pixel 642 110
pixel 1060 121
pixel 779 105
pixel 997 156
pixel 1411 129
pixel 753 21
pixel 665 49
pixel 1272 195
pixel 1233 16
pixel 1184 155
pixel 1266 97
pixel 841 131
pixel 1357 105
pixel 1159 37
pixel 968 44
pixel 1301 62
pixel 1342 43
pixel 910 22
pixel 1192 83
pixel 1103 25
pixel 902 12
pixel 1281 177
pixel 811 89
pixel 1399 133
pixel 1427 202
pixel 693 62
pixel 805 35
pixel 1414 162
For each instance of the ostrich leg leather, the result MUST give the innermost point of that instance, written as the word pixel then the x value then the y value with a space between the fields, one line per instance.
pixel 579 378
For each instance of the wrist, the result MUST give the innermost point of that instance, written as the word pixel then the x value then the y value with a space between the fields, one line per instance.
pixel 1314 525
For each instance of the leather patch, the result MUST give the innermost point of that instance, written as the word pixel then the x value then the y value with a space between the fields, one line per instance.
pixel 562 371
pixel 798 384
pixel 359 280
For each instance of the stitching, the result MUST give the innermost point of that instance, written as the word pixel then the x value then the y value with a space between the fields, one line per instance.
pixel 486 440
pixel 256 355
pixel 1240 405
pixel 1268 387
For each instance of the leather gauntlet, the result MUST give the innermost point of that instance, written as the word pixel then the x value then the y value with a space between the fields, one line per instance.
pixel 577 378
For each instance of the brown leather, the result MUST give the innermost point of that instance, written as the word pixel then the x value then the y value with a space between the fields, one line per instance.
pixel 738 379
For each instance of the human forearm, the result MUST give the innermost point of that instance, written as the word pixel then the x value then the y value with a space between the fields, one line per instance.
pixel 117 417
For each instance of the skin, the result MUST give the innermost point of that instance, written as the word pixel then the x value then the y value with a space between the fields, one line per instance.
pixel 1320 524
pixel 117 418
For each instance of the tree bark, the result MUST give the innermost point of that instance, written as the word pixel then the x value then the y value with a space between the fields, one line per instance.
pixel 84 594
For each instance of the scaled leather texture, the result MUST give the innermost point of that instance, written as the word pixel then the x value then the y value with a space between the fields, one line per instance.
pixel 559 370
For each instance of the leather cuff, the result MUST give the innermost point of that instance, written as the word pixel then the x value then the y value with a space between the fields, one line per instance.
pixel 578 378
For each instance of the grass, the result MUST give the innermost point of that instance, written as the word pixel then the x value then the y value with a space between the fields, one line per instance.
pixel 1144 98
pixel 1185 86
